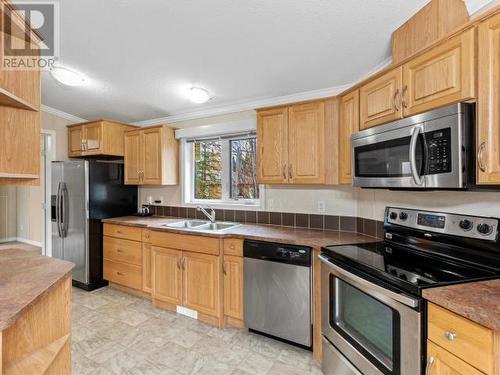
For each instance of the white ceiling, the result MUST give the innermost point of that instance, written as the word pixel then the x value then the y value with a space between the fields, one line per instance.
pixel 140 56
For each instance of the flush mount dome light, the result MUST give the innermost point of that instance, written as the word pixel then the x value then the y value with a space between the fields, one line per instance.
pixel 67 76
pixel 198 95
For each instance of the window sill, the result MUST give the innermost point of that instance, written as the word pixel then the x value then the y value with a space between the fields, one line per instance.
pixel 226 205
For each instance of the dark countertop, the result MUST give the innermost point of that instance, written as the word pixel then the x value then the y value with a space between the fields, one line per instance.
pixel 24 277
pixel 477 301
pixel 273 233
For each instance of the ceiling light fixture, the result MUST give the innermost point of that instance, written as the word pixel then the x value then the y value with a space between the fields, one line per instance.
pixel 67 76
pixel 199 95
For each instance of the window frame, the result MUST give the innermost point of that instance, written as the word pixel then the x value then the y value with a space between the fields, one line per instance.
pixel 188 181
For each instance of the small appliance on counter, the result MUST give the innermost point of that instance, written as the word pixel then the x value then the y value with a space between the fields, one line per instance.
pixel 83 193
pixel 143 212
pixel 373 314
pixel 277 280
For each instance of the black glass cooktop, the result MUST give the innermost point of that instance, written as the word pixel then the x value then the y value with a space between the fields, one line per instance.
pixel 404 268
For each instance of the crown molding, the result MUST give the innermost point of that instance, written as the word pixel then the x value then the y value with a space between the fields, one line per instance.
pixel 252 104
pixel 245 106
pixel 62 114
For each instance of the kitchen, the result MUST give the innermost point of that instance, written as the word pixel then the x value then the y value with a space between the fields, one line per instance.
pixel 343 221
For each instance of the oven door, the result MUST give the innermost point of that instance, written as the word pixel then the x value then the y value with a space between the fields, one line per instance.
pixel 429 154
pixel 376 330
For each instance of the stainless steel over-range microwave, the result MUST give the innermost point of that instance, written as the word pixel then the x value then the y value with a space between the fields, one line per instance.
pixel 426 151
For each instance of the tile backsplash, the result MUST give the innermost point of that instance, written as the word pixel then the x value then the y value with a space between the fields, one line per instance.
pixel 369 227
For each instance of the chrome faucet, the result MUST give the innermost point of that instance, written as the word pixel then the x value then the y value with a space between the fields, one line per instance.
pixel 210 216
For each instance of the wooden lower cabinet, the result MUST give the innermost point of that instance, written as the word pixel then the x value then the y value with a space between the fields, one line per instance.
pixel 233 286
pixel 123 274
pixel 442 362
pixel 186 279
pixel 201 283
pixel 166 275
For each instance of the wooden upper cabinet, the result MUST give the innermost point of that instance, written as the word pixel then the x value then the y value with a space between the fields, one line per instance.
pixel 349 123
pixel 380 99
pixel 151 156
pixel 306 147
pixel 201 283
pixel 166 275
pixel 152 152
pixel 101 137
pixel 292 143
pixel 132 157
pixel 93 138
pixel 443 75
pixel 488 104
pixel 272 143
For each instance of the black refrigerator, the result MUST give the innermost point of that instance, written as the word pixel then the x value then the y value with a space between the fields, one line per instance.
pixel 83 193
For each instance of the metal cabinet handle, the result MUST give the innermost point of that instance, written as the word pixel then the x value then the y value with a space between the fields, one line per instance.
pixel 183 263
pixel 119 231
pixel 119 250
pixel 403 97
pixel 179 262
pixel 120 274
pixel 284 171
pixel 394 97
pixel 231 247
pixel 480 154
pixel 290 171
pixel 430 362
pixel 450 335
pixel 224 269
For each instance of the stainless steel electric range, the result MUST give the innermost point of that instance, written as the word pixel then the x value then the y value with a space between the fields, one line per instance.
pixel 373 314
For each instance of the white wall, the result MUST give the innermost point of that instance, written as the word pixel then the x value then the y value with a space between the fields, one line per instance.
pixel 343 200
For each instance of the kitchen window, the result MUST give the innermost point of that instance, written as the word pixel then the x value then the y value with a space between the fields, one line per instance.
pixel 221 171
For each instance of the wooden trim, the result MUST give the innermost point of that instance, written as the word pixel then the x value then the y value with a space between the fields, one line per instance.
pixel 164 305
pixel 10 100
pixel 232 322
pixel 186 242
pixel 211 320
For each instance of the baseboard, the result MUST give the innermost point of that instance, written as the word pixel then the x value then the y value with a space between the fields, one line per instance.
pixel 29 242
pixel 8 239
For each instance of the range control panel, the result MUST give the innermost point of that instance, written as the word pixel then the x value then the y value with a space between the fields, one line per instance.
pixel 484 228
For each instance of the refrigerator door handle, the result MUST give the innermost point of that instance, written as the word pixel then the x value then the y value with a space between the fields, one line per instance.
pixel 58 210
pixel 64 210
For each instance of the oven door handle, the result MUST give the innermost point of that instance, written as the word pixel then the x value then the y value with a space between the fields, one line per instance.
pixel 415 132
pixel 349 277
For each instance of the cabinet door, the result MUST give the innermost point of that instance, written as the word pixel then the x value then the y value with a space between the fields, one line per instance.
pixel 442 362
pixel 152 152
pixel 233 286
pixel 441 76
pixel 201 283
pixel 75 140
pixel 132 158
pixel 146 267
pixel 166 275
pixel 488 102
pixel 380 99
pixel 272 146
pixel 306 147
pixel 349 123
pixel 92 134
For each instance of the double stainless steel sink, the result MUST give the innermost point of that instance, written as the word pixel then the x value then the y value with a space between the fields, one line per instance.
pixel 201 225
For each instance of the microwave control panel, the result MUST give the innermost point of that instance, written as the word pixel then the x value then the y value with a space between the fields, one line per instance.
pixel 439 151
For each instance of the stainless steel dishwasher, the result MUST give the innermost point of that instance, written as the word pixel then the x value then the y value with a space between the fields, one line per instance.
pixel 278 291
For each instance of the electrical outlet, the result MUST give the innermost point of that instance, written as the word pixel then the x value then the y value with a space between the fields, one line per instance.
pixel 270 204
pixel 321 207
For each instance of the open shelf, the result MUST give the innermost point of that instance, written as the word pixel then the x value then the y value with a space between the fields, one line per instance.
pixel 10 100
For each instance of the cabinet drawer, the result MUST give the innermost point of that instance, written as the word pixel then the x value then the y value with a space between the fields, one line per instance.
pixel 233 246
pixel 472 342
pixel 123 231
pixel 198 244
pixel 119 250
pixel 123 274
pixel 444 362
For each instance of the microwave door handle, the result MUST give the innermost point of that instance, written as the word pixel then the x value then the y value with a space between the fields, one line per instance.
pixel 413 155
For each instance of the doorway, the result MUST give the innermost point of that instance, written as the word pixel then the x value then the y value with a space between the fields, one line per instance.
pixel 47 155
